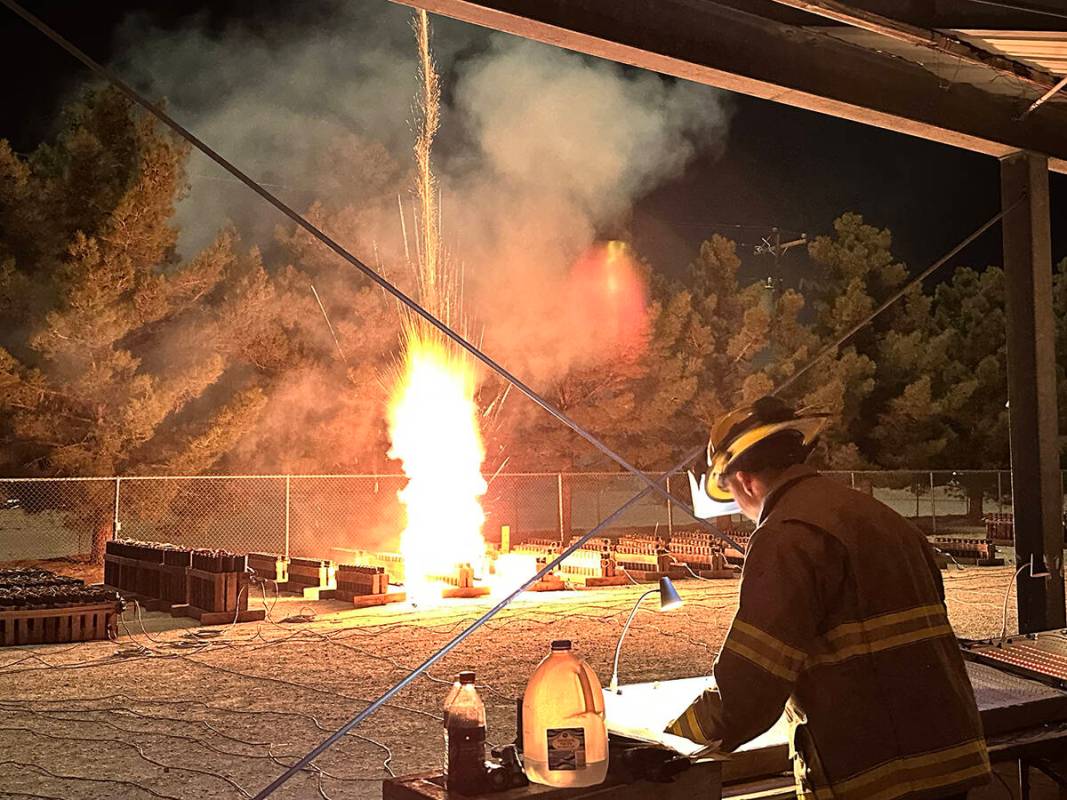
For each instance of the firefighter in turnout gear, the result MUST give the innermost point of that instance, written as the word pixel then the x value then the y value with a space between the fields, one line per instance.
pixel 841 623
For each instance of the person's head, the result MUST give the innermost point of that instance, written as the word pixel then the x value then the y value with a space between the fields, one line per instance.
pixel 751 446
pixel 751 475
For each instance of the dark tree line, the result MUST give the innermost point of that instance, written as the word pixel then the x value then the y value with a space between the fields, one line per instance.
pixel 119 357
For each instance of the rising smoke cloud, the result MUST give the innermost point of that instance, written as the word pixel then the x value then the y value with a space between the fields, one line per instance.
pixel 541 150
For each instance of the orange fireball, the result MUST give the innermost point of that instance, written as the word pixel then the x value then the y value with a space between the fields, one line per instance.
pixel 608 286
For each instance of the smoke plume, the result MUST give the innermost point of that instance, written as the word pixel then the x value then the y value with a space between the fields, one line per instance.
pixel 541 150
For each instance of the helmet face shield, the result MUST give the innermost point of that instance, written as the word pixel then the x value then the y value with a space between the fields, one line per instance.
pixel 731 438
pixel 715 486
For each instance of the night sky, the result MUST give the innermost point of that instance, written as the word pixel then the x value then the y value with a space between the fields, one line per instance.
pixel 782 166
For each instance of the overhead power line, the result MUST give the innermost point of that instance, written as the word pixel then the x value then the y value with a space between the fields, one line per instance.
pixel 1019 7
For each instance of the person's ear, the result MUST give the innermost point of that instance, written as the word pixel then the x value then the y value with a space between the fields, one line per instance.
pixel 745 483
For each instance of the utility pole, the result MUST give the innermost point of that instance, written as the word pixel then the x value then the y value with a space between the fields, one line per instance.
pixel 774 246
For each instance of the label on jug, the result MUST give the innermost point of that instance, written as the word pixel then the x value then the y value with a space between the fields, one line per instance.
pixel 566 748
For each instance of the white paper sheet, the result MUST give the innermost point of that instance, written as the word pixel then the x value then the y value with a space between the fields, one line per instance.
pixel 641 711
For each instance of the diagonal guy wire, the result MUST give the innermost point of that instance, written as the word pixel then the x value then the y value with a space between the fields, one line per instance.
pixel 322 237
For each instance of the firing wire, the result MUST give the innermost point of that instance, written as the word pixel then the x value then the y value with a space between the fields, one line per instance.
pixel 51 713
pixel 650 484
pixel 1007 596
pixel 949 556
pixel 58 776
pixel 183 702
pixel 140 752
pixel 695 575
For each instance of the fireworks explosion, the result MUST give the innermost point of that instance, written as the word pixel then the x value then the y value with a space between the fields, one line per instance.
pixel 433 419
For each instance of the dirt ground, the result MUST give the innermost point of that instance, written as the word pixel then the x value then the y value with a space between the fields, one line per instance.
pixel 216 713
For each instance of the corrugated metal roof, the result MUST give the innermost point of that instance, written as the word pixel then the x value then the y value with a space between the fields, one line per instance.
pixel 1045 50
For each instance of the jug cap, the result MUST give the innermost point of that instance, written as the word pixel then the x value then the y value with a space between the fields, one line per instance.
pixel 465 677
pixel 561 644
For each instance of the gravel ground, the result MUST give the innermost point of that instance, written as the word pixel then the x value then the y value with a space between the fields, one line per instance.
pixel 215 713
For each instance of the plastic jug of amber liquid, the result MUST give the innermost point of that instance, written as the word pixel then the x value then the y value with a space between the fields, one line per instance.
pixel 564 737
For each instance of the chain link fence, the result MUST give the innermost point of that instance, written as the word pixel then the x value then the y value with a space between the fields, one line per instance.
pixel 327 516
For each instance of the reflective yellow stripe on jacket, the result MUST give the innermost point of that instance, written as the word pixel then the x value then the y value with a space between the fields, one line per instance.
pixel 919 773
pixel 765 651
pixel 884 632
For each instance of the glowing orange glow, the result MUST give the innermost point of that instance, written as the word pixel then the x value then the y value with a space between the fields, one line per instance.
pixel 433 423
pixel 510 570
pixel 608 285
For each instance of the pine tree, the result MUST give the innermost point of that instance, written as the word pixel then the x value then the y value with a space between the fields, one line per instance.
pixel 101 370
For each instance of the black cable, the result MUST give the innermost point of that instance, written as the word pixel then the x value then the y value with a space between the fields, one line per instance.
pixel 321 236
pixel 896 295
pixel 1019 7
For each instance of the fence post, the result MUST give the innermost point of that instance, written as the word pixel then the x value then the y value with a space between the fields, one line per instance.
pixel 559 498
pixel 116 524
pixel 852 479
pixel 933 503
pixel 670 510
pixel 287 516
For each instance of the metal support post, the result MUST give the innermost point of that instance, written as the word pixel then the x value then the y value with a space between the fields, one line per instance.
pixel 559 497
pixel 1033 421
pixel 670 511
pixel 933 504
pixel 287 482
pixel 116 524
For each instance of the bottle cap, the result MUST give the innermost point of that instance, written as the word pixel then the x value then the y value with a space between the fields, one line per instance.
pixel 561 644
pixel 466 677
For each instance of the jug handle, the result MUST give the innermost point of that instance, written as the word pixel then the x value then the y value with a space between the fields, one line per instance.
pixel 587 691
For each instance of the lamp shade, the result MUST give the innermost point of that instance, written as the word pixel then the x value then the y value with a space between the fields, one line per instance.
pixel 668 595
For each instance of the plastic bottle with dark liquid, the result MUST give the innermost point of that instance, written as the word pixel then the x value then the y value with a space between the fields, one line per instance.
pixel 464 737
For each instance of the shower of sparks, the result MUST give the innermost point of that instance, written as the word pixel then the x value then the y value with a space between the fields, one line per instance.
pixel 433 418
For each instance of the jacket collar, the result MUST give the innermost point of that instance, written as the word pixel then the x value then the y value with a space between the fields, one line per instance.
pixel 784 482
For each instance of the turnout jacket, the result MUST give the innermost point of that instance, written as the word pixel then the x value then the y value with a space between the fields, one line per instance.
pixel 842 623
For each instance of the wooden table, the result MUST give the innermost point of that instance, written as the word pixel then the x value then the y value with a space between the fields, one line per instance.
pixel 1025 722
pixel 702 781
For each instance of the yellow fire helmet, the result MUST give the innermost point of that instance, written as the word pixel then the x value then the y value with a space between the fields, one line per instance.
pixel 744 427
